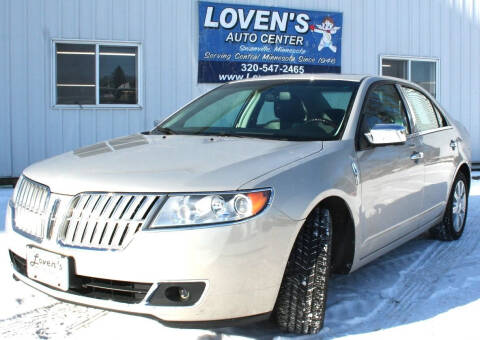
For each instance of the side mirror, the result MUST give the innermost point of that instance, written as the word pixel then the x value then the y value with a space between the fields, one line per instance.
pixel 386 134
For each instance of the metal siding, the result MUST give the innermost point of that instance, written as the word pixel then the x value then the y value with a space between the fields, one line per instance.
pixel 347 45
pixel 71 117
pixel 369 47
pixel 168 33
pixel 53 129
pixel 120 32
pixel 474 72
pixel 88 120
pixel 455 66
pixel 6 129
pixel 170 46
pixel 445 57
pixel 153 57
pixel 464 67
pixel 104 31
pixel 381 23
pixel 37 103
pixel 19 84
pixel 135 24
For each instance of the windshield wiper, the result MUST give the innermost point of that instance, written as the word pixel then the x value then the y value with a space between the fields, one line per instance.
pixel 225 134
pixel 273 136
pixel 164 130
pixel 245 135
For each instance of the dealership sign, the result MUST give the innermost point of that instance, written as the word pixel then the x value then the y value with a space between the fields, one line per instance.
pixel 239 41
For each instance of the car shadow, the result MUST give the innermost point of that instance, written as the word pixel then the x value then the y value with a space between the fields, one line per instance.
pixel 417 281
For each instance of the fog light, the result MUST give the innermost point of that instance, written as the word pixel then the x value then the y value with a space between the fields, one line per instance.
pixel 177 293
pixel 184 294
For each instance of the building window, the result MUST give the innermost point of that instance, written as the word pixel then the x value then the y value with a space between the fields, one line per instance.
pixel 422 71
pixel 100 74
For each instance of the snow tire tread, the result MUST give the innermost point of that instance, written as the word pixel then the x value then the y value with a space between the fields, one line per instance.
pixel 302 298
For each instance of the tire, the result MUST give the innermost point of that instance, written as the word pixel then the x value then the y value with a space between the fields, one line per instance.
pixel 455 213
pixel 301 302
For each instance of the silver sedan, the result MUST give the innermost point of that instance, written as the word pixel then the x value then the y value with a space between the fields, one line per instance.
pixel 242 203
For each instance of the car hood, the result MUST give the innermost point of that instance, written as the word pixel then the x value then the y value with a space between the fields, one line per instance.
pixel 173 163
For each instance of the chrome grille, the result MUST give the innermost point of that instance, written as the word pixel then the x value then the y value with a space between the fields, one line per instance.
pixel 30 200
pixel 105 220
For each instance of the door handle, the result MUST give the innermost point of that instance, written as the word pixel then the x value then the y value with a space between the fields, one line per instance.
pixel 416 156
pixel 453 144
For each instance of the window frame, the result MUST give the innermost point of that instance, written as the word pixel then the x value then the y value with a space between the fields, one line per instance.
pixel 409 60
pixel 97 105
pixel 436 108
pixel 371 87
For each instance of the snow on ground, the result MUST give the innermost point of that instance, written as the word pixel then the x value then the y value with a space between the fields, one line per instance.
pixel 425 289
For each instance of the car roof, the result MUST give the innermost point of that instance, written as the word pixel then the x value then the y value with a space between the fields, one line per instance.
pixel 323 76
pixel 308 76
pixel 337 76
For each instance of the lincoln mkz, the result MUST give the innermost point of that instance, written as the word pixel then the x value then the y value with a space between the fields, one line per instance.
pixel 242 203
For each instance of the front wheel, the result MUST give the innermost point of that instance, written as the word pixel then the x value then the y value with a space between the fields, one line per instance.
pixel 301 302
pixel 455 213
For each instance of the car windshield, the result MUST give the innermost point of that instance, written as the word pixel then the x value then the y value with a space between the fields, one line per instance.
pixel 290 110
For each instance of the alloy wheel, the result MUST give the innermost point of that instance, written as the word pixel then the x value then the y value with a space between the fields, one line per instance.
pixel 459 206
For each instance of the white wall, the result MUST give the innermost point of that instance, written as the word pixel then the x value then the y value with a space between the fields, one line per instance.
pixel 31 130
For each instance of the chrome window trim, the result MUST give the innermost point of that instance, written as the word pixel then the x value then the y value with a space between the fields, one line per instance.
pixel 408 112
pixel 426 132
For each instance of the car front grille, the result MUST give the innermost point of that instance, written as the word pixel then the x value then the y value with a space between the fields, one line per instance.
pixel 119 291
pixel 106 220
pixel 30 201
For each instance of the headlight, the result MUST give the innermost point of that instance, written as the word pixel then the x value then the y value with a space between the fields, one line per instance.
pixel 197 209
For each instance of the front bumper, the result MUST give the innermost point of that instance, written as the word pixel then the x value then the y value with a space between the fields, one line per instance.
pixel 241 265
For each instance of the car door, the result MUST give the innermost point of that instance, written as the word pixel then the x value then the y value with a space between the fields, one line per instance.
pixel 392 176
pixel 438 144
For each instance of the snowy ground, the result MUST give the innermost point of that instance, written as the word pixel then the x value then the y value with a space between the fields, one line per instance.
pixel 425 289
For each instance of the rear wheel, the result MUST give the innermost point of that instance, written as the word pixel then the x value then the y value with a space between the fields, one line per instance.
pixel 301 302
pixel 455 213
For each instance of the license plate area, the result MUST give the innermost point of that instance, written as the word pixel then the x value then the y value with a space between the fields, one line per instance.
pixel 47 267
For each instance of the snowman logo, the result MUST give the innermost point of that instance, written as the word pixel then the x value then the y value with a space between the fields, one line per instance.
pixel 327 28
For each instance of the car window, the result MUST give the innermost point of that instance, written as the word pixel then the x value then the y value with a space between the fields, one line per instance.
pixel 337 99
pixel 422 109
pixel 383 106
pixel 441 119
pixel 222 113
pixel 267 113
pixel 278 109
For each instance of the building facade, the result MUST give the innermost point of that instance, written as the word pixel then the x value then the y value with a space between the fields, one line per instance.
pixel 75 72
